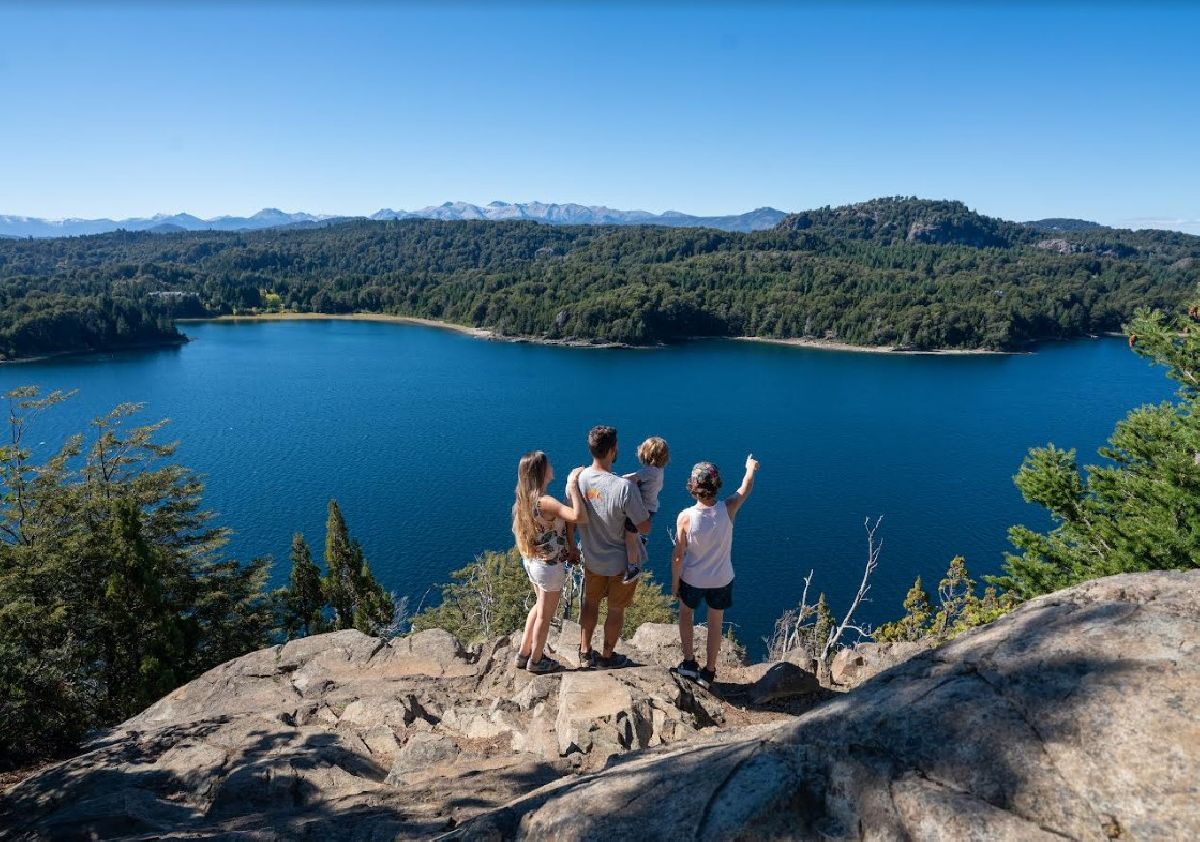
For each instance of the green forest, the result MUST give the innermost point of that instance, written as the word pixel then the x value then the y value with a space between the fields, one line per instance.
pixel 909 273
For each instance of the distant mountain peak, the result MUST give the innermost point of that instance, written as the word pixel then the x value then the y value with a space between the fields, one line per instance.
pixel 572 213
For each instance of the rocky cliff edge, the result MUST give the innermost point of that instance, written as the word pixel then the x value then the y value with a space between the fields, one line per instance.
pixel 1077 715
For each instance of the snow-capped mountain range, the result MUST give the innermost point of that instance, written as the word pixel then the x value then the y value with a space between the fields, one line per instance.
pixel 564 214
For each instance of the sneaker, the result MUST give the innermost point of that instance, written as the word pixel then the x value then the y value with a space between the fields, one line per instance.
pixel 544 666
pixel 632 573
pixel 688 669
pixel 615 661
pixel 522 661
pixel 706 677
pixel 587 660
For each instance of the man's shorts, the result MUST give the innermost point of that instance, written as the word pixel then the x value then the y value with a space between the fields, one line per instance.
pixel 717 598
pixel 597 587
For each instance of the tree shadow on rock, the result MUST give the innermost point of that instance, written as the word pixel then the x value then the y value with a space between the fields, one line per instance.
pixel 1062 718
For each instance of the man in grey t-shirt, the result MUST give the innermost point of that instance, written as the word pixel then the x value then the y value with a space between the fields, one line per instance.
pixel 610 499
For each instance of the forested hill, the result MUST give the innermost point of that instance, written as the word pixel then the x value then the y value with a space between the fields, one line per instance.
pixel 900 272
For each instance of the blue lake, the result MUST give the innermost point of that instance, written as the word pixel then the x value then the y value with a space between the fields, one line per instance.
pixel 417 431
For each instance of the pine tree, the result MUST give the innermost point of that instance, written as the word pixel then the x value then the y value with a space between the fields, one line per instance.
pixel 304 599
pixel 1141 510
pixel 914 625
pixel 113 589
pixel 341 570
pixel 373 606
pixel 358 600
pixel 140 635
pixel 823 625
pixel 955 591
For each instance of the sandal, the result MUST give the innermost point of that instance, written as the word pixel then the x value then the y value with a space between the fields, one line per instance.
pixel 615 661
pixel 544 666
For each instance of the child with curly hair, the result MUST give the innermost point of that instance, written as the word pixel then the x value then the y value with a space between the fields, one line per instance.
pixel 654 455
pixel 702 565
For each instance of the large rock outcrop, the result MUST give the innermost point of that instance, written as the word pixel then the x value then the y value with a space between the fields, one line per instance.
pixel 1077 715
pixel 347 736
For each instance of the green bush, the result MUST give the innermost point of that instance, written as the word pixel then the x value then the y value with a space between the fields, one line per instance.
pixel 491 597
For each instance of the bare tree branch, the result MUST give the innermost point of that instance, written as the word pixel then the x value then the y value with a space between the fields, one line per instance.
pixel 873 550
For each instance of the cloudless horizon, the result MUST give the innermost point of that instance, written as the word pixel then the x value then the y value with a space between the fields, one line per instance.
pixel 1022 111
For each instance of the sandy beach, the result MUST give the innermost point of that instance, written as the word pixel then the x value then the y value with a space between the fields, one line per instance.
pixel 476 332
pixel 832 345
pixel 483 333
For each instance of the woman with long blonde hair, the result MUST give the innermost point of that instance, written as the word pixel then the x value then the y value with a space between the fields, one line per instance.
pixel 539 523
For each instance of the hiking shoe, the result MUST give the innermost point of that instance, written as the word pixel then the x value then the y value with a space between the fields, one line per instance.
pixel 632 574
pixel 688 669
pixel 522 661
pixel 615 661
pixel 544 666
pixel 705 678
pixel 587 660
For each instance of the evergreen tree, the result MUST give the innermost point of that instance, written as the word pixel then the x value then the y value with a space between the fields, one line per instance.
pixel 914 625
pixel 823 625
pixel 373 605
pixel 954 591
pixel 113 589
pixel 358 600
pixel 303 599
pixel 341 569
pixel 1140 510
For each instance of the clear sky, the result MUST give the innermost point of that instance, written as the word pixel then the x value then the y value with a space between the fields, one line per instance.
pixel 1022 111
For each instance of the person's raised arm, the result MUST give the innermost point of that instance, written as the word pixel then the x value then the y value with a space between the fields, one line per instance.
pixel 734 501
pixel 680 548
pixel 576 513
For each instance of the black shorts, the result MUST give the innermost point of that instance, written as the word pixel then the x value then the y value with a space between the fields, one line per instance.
pixel 717 598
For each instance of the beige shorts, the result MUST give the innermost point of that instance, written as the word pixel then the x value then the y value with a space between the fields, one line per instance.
pixel 597 587
pixel 548 577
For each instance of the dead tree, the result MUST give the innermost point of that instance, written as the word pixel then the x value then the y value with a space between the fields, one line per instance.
pixel 873 550
pixel 803 625
pixel 790 628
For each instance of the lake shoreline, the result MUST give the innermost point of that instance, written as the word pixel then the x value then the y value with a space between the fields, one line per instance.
pixel 833 345
pixel 492 336
pixel 116 349
pixel 474 332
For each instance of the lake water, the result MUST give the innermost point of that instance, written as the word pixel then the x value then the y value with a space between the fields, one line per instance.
pixel 417 431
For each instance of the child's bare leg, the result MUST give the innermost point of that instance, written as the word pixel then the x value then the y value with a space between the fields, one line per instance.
pixel 633 548
pixel 686 619
pixel 716 621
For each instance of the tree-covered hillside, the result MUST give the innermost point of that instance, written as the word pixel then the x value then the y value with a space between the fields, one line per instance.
pixel 902 272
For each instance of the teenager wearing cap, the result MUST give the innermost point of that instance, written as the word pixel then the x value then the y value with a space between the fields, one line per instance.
pixel 702 566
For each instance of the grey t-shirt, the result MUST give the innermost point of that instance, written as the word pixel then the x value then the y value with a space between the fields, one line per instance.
pixel 610 499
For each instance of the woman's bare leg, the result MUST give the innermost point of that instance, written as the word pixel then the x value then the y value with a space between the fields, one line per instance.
pixel 547 602
pixel 530 623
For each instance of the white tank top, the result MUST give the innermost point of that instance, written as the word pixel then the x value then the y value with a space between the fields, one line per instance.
pixel 706 561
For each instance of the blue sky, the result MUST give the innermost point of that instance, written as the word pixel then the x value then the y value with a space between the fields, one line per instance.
pixel 1022 111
